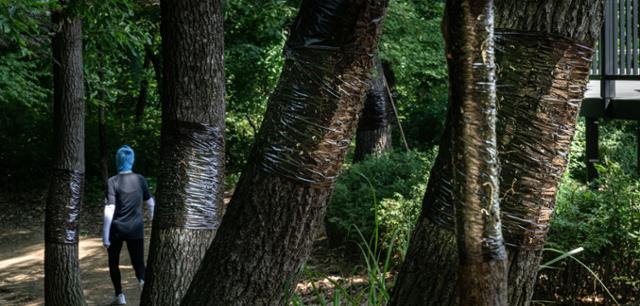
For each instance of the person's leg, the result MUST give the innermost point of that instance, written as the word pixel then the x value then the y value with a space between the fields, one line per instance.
pixel 136 253
pixel 114 262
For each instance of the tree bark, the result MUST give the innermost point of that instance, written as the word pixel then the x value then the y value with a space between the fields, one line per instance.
pixel 543 51
pixel 62 271
pixel 191 182
pixel 468 31
pixel 373 136
pixel 282 194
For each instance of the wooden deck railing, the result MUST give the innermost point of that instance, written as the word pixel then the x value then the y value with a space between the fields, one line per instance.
pixel 616 59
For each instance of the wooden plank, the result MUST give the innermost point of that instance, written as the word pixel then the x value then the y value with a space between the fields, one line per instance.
pixel 638 146
pixel 635 38
pixel 616 77
pixel 621 38
pixel 629 36
pixel 593 107
pixel 608 49
pixel 623 109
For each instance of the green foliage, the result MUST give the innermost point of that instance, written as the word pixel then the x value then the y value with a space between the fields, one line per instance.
pixel 617 142
pixel 21 83
pixel 21 25
pixel 413 45
pixel 116 37
pixel 254 37
pixel 25 115
pixel 392 201
pixel 598 218
pixel 605 220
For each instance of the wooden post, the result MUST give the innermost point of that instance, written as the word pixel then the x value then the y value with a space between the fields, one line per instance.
pixel 608 68
pixel 592 148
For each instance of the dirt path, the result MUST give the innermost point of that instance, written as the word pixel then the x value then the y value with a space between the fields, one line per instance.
pixel 22 252
pixel 22 258
pixel 22 275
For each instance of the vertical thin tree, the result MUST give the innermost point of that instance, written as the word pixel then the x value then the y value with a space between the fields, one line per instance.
pixel 102 130
pixel 282 194
pixel 469 39
pixel 191 182
pixel 543 51
pixel 143 92
pixel 61 266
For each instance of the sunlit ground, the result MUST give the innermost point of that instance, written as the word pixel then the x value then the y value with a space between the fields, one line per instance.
pixel 22 270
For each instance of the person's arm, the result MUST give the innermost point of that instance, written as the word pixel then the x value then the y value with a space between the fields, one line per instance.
pixel 109 211
pixel 146 196
pixel 151 204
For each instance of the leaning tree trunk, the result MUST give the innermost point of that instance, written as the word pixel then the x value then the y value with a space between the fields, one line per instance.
pixel 191 182
pixel 373 136
pixel 543 51
pixel 282 195
pixel 482 270
pixel 61 267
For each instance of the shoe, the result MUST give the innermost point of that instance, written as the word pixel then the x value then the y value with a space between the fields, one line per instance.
pixel 119 300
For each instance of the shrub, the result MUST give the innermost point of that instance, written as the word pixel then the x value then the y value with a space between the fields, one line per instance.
pixel 604 219
pixel 601 217
pixel 390 187
pixel 617 143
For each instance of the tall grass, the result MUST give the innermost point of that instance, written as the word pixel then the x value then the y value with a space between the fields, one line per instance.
pixel 377 263
pixel 564 255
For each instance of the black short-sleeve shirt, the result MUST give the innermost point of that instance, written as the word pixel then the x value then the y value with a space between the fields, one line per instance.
pixel 127 191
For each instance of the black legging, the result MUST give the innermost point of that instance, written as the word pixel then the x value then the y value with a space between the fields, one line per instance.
pixel 136 253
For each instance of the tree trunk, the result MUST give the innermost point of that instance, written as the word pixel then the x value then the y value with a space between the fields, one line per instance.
pixel 373 136
pixel 191 182
pixel 282 194
pixel 544 50
pixel 468 31
pixel 144 86
pixel 62 271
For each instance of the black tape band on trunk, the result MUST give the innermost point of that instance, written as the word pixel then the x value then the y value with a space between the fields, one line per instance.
pixel 376 113
pixel 63 206
pixel 193 195
pixel 308 139
pixel 313 111
pixel 541 83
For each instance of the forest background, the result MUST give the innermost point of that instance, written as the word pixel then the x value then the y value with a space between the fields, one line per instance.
pixel 122 67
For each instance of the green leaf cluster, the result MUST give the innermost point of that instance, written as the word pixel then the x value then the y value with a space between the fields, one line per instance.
pixel 393 200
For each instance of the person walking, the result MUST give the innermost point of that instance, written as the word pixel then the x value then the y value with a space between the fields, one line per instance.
pixel 123 220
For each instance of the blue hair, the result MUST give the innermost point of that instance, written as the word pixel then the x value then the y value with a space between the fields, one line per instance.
pixel 125 158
